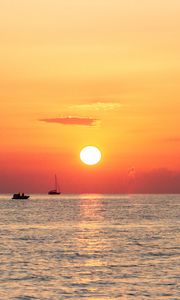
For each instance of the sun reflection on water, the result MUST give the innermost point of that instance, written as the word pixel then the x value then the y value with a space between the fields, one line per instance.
pixel 91 243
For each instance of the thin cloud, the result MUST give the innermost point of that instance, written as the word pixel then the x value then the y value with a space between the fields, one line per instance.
pixel 71 121
pixel 95 106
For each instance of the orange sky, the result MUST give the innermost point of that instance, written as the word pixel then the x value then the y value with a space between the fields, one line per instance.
pixel 112 65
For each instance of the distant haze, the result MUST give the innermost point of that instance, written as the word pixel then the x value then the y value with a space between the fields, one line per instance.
pixel 79 72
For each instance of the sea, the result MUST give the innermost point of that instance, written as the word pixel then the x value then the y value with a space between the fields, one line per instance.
pixel 90 246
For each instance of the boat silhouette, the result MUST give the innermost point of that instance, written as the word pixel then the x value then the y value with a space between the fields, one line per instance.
pixel 20 196
pixel 56 190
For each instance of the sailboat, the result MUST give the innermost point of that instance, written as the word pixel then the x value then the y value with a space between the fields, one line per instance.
pixel 56 190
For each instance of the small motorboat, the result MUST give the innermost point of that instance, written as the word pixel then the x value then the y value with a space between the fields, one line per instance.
pixel 20 196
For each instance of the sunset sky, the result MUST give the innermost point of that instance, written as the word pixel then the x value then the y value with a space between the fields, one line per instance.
pixel 100 72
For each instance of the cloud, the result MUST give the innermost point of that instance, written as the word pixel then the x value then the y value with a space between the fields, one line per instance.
pixel 71 121
pixel 97 106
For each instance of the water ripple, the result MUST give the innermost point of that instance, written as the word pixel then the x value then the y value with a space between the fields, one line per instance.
pixel 90 247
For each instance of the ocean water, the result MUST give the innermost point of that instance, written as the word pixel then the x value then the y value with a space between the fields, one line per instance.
pixel 90 247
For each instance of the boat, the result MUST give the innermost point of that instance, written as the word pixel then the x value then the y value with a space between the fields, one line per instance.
pixel 56 190
pixel 20 196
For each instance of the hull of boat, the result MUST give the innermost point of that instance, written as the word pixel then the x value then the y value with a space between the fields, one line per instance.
pixel 20 198
pixel 54 193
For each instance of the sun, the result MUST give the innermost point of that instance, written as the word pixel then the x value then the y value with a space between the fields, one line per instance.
pixel 90 155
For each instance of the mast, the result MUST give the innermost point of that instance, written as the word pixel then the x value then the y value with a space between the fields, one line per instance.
pixel 55 182
pixel 57 188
